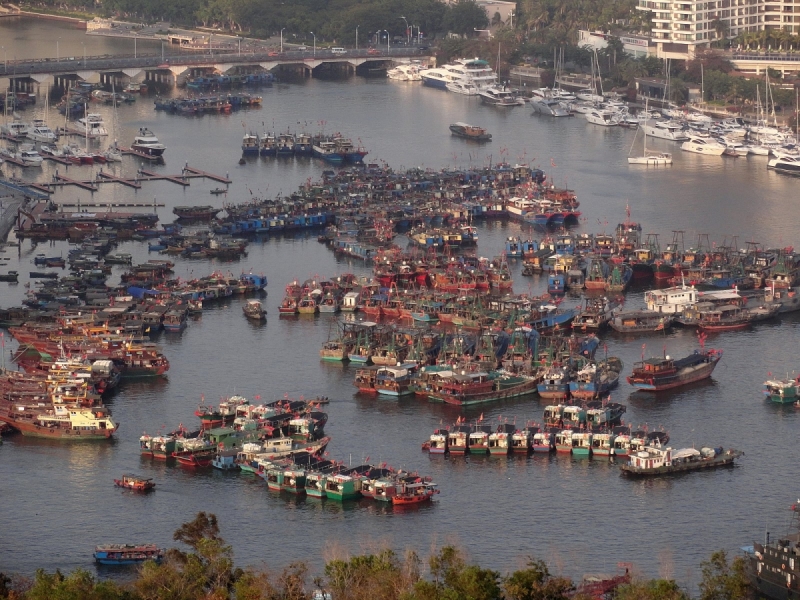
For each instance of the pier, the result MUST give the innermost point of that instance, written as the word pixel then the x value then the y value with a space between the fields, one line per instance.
pixel 91 185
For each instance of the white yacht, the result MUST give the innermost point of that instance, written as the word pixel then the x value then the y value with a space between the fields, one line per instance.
pixel 500 96
pixel 463 86
pixel 786 163
pixel 588 95
pixel 606 118
pixel 148 144
pixel 549 107
pixel 703 145
pixel 438 77
pixel 40 132
pixel 15 129
pixel 651 158
pixel 474 70
pixel 29 156
pixel 93 124
pixel 665 130
pixel 404 73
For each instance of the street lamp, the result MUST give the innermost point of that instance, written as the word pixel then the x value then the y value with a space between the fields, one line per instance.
pixel 315 42
pixel 356 37
pixel 240 46
pixel 134 45
pixel 388 39
pixel 58 54
pixel 408 38
pixel 5 59
pixel 84 54
pixel 162 51
pixel 282 40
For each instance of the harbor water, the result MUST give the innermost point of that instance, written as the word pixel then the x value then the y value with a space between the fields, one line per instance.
pixel 579 515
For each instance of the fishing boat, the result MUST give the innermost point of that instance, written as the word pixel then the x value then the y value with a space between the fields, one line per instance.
pixel 782 391
pixel 409 494
pixel 563 441
pixel 500 440
pixel 135 483
pixel 222 416
pixel 478 440
pixel 196 213
pixel 581 443
pixel 458 438
pixel 543 441
pixel 60 422
pixel 254 310
pixel 725 318
pixel 603 444
pixel 470 132
pixel 10 276
pixel 772 567
pixel 658 374
pixel 127 554
pixel 555 383
pixel 596 379
pixel 653 461
pixel 437 444
pixel 464 389
pixel 218 191
pixel 640 321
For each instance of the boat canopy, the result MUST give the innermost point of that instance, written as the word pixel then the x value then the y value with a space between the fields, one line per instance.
pixel 685 453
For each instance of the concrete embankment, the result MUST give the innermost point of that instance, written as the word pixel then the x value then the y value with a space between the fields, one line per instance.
pixel 11 200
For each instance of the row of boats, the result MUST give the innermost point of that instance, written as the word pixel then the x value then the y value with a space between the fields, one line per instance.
pixel 201 105
pixel 335 149
pixel 283 443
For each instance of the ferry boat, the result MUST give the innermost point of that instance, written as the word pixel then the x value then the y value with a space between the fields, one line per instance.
pixel 60 422
pixel 653 461
pixel 127 554
pixel 147 143
pixel 658 374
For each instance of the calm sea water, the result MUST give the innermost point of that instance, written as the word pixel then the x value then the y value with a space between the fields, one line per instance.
pixel 579 515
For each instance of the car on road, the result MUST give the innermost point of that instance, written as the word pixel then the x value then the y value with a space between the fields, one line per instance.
pixel 373 51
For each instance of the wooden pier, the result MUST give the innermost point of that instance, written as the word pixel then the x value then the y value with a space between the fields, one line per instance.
pixel 91 185
pixel 102 175
pixel 151 176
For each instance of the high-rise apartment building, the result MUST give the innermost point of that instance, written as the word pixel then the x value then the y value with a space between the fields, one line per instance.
pixel 681 27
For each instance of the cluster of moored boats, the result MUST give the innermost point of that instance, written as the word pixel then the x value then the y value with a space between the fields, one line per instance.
pixel 283 443
pixel 335 149
pixel 202 105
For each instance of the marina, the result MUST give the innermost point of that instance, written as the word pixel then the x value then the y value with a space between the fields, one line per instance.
pixel 592 162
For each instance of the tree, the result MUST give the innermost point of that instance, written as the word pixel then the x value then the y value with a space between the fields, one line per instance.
pixel 496 19
pixel 464 17
pixel 535 583
pixel 78 585
pixel 723 581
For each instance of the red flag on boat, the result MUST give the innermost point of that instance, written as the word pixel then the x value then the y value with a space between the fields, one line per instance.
pixel 481 419
pixel 366 460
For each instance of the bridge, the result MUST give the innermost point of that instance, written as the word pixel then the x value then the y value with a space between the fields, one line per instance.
pixel 88 67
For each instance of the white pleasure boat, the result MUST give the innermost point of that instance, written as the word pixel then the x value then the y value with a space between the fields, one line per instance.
pixel 404 73
pixel 40 132
pixel 665 130
pixel 93 124
pixel 605 118
pixel 29 156
pixel 703 145
pixel 148 144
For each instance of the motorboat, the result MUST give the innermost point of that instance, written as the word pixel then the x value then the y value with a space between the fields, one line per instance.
pixel 15 129
pixel 786 163
pixel 51 150
pixel 588 95
pixel 464 87
pixel 665 130
pixel 605 118
pixel 147 143
pixel 549 106
pixel 93 125
pixel 473 69
pixel 112 154
pixel 703 145
pixel 438 77
pixel 404 73
pixel 40 132
pixel 500 96
pixel 29 156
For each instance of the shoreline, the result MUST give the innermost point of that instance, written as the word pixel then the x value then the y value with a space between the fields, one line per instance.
pixel 54 17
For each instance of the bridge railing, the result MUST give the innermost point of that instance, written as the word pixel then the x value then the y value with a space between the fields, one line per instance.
pixel 22 68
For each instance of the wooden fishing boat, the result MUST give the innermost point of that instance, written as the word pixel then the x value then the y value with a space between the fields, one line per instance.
pixel 127 554
pixel 640 321
pixel 254 310
pixel 470 132
pixel 409 494
pixel 782 391
pixel 658 374
pixel 135 483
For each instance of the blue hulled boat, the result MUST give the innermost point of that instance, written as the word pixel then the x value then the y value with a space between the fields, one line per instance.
pixel 127 554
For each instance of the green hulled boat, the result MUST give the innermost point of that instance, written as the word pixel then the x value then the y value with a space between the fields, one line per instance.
pixel 782 391
pixel 343 487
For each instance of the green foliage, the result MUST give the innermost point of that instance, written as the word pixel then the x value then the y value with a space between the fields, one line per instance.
pixel 535 583
pixel 724 581
pixel 381 575
pixel 464 17
pixel 656 589
pixel 559 20
pixel 78 585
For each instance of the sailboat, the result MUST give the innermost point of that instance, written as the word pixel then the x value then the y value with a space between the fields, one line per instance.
pixel 652 158
pixel 112 153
